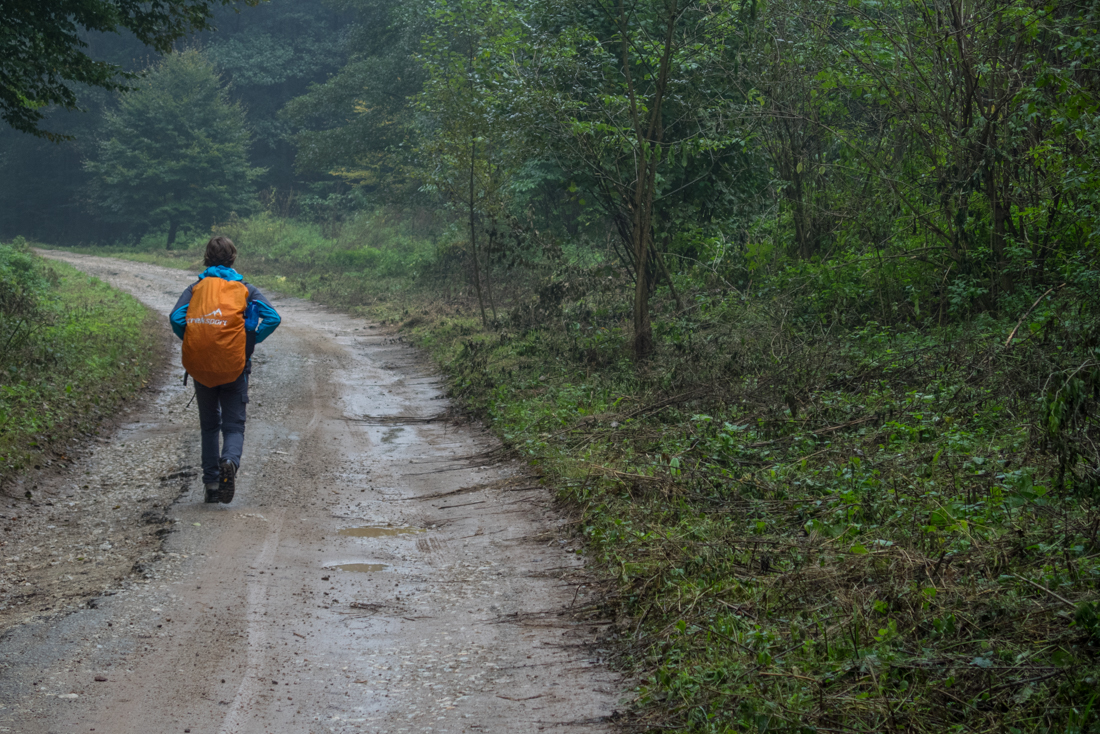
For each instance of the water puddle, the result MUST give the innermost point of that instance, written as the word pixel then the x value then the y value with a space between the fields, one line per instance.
pixel 362 567
pixel 390 435
pixel 373 531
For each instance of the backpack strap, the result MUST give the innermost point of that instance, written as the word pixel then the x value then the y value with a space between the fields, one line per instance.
pixel 251 321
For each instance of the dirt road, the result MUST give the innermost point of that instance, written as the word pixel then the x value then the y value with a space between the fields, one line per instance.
pixel 377 571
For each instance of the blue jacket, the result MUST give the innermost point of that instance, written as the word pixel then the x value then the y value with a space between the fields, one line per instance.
pixel 260 315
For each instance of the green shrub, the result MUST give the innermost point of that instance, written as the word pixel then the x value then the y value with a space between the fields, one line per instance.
pixel 364 259
pixel 22 280
pixel 24 302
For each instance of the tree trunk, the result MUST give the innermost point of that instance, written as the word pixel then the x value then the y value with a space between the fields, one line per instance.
pixel 649 135
pixel 173 226
pixel 488 271
pixel 473 234
pixel 643 328
pixel 1002 279
pixel 662 266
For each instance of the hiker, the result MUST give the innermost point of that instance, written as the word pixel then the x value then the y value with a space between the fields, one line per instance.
pixel 221 319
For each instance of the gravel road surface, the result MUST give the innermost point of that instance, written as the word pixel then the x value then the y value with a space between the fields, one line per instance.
pixel 379 570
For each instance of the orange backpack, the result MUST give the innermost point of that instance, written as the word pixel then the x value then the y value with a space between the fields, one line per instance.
pixel 214 341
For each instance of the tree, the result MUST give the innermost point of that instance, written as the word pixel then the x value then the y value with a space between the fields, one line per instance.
pixel 789 110
pixel 176 152
pixel 269 56
pixel 42 52
pixel 466 151
pixel 359 124
pixel 970 120
pixel 950 76
pixel 630 96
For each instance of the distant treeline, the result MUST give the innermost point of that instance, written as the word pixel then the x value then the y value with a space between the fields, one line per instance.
pixel 265 55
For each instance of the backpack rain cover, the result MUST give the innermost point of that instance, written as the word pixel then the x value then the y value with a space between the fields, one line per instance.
pixel 214 341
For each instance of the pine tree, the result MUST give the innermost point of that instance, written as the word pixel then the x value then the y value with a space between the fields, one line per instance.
pixel 175 153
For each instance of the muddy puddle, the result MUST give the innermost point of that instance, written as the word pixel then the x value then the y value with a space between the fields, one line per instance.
pixel 391 435
pixel 361 567
pixel 375 531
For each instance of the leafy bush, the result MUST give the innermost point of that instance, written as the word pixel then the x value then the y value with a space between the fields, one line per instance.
pixel 363 259
pixel 24 302
pixel 22 283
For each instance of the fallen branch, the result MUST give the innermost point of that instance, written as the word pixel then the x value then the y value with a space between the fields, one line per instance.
pixel 1028 313
pixel 1060 598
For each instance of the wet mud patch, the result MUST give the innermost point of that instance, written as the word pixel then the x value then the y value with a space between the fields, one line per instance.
pixel 375 531
pixel 360 567
pixel 397 420
pixel 391 435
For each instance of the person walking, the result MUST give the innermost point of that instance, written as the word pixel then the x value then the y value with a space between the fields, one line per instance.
pixel 221 319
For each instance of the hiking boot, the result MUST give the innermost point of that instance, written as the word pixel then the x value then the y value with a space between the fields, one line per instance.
pixel 212 492
pixel 227 481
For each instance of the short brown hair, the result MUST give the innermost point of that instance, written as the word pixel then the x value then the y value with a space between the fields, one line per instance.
pixel 220 251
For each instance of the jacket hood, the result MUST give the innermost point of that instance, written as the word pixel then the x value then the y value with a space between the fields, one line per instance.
pixel 221 271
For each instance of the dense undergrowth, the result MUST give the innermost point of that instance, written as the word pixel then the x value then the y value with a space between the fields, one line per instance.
pixel 71 350
pixel 816 513
pixel 816 528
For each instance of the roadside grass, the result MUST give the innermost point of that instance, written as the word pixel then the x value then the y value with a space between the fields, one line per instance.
pixel 73 349
pixel 805 523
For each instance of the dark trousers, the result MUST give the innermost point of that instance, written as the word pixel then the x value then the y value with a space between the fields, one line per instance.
pixel 221 415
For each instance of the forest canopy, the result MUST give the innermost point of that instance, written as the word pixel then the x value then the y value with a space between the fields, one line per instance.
pixel 267 55
pixel 43 49
pixel 951 142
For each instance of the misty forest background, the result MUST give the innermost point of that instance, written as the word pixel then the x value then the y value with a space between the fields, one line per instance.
pixel 797 303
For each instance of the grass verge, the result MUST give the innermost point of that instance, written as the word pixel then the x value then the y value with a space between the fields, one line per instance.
pixel 74 349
